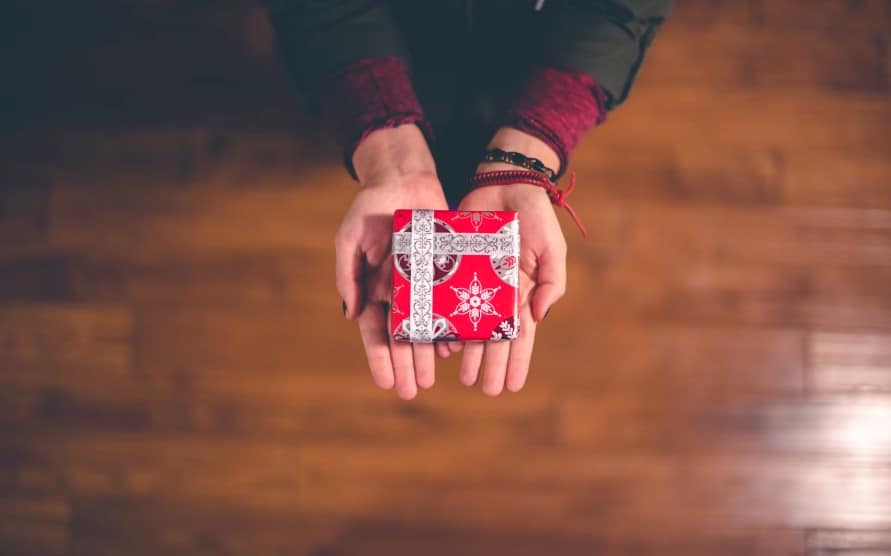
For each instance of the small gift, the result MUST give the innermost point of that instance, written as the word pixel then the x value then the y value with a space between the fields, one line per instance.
pixel 455 275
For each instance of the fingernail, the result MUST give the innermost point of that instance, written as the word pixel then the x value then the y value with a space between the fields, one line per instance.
pixel 344 306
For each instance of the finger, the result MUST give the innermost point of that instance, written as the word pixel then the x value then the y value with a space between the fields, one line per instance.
pixel 403 369
pixel 455 347
pixel 373 329
pixel 495 367
pixel 348 275
pixel 442 350
pixel 470 363
pixel 551 280
pixel 377 252
pixel 521 352
pixel 424 365
pixel 378 283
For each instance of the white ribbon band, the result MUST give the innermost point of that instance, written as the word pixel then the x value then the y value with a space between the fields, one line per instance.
pixel 494 245
pixel 421 293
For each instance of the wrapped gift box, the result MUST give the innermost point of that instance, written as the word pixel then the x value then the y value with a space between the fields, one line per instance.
pixel 455 275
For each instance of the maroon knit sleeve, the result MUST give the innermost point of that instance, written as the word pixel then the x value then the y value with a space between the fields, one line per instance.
pixel 367 95
pixel 557 105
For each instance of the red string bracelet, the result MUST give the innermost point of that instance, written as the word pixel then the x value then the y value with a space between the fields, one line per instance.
pixel 511 177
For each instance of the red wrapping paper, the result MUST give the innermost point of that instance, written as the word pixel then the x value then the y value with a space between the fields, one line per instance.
pixel 455 276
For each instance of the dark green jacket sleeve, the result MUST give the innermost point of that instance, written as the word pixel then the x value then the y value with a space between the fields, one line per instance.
pixel 607 39
pixel 318 36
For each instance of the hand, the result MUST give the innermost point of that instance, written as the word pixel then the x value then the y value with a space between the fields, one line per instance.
pixel 396 170
pixel 542 283
pixel 542 267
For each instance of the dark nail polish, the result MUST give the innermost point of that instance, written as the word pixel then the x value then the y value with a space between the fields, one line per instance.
pixel 344 307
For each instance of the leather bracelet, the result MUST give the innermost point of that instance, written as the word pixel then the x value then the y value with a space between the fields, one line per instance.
pixel 520 159
pixel 513 177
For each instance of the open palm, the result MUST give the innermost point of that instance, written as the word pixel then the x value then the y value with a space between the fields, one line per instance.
pixel 542 283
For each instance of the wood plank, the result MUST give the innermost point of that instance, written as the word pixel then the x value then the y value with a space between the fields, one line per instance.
pixel 679 361
pixel 567 491
pixel 149 527
pixel 240 280
pixel 33 526
pixel 153 156
pixel 785 119
pixel 755 266
pixel 735 59
pixel 732 488
pixel 143 222
pixel 108 525
pixel 58 335
pixel 678 173
pixel 830 178
pixel 226 340
pixel 311 404
pixel 861 16
pixel 858 542
pixel 34 277
pixel 297 410
pixel 24 213
pixel 145 465
pixel 715 13
pixel 388 537
pixel 837 178
pixel 847 361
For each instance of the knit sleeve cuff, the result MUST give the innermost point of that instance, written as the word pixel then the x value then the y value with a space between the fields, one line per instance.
pixel 367 95
pixel 557 105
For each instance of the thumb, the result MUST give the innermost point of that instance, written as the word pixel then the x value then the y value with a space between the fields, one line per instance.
pixel 348 276
pixel 551 283
pixel 378 284
pixel 378 272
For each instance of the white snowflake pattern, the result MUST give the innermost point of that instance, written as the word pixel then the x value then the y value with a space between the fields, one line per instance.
pixel 475 301
pixel 476 217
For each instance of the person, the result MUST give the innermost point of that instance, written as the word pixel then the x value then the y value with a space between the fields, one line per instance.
pixel 492 76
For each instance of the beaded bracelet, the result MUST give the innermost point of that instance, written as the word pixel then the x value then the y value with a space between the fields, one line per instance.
pixel 520 159
pixel 513 177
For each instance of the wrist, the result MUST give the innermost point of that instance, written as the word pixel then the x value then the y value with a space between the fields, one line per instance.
pixel 512 196
pixel 514 140
pixel 393 154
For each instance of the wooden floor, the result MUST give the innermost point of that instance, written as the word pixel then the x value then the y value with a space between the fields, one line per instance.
pixel 176 377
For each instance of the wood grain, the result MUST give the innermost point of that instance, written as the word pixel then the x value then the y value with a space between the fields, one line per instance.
pixel 176 376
